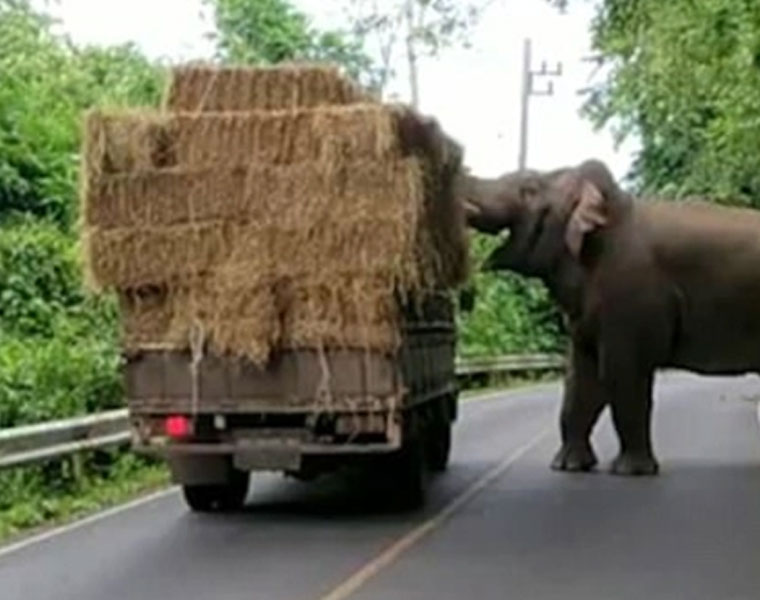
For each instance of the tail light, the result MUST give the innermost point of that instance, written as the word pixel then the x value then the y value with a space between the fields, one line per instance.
pixel 178 426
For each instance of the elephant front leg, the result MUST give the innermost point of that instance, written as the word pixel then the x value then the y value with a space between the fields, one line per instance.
pixel 583 401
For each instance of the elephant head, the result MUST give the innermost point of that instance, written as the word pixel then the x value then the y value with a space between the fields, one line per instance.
pixel 549 215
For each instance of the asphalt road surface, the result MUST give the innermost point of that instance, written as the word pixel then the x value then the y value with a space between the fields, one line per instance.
pixel 499 524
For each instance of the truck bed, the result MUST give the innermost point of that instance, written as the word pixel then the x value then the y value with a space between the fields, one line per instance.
pixel 339 401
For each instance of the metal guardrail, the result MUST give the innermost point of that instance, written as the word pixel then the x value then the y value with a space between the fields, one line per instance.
pixel 31 444
pixel 509 364
pixel 55 439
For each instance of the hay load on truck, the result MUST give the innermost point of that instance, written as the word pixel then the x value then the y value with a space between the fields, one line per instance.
pixel 285 250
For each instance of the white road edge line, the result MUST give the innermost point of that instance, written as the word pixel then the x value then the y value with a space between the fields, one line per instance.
pixel 364 574
pixel 758 413
pixel 94 518
pixel 116 510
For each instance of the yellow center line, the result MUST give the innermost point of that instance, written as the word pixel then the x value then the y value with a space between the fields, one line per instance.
pixel 362 576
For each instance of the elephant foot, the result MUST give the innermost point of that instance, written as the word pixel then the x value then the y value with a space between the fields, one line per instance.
pixel 629 464
pixel 574 458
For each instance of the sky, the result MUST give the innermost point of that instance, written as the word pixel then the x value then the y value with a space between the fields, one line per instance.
pixel 475 93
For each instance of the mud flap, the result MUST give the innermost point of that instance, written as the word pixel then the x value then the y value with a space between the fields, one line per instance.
pixel 200 470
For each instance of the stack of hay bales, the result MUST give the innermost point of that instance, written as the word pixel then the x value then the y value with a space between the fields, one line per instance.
pixel 266 209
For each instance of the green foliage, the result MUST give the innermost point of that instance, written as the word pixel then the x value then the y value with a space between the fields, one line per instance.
pixel 62 490
pixel 58 351
pixel 45 84
pixel 39 278
pixel 117 76
pixel 272 31
pixel 684 78
pixel 48 378
pixel 58 347
pixel 512 314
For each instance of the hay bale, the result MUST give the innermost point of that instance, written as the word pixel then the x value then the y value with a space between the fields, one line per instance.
pixel 231 317
pixel 270 229
pixel 361 218
pixel 443 248
pixel 134 257
pixel 211 88
pixel 289 195
pixel 147 314
pixel 237 319
pixel 135 141
pixel 353 310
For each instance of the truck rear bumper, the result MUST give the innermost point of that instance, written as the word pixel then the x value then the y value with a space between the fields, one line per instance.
pixel 253 450
pixel 208 463
pixel 260 450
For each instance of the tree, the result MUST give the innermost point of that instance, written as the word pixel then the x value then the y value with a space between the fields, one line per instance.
pixel 424 27
pixel 272 31
pixel 45 85
pixel 683 77
pixel 58 351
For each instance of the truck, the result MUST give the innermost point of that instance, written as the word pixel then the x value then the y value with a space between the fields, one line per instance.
pixel 216 419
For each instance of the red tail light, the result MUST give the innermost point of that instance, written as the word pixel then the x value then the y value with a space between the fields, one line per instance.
pixel 177 426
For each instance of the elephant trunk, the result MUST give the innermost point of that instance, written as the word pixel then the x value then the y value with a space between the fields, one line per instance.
pixel 481 204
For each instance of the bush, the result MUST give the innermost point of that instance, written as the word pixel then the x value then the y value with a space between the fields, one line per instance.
pixel 58 346
pixel 43 379
pixel 39 277
pixel 512 314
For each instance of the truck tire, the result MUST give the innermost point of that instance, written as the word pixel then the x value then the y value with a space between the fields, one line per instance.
pixel 223 497
pixel 411 475
pixel 439 446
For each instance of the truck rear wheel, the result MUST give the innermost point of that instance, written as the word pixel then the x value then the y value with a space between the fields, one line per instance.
pixel 222 497
pixel 439 446
pixel 411 475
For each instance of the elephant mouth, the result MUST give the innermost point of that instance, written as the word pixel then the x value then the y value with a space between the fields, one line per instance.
pixel 471 210
pixel 479 219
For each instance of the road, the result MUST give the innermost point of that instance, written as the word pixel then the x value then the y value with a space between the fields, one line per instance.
pixel 499 523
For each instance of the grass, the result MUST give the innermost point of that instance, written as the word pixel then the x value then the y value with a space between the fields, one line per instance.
pixel 59 492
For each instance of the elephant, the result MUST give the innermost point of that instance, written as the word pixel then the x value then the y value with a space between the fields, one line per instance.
pixel 642 284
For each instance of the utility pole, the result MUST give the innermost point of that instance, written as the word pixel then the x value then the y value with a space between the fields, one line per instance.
pixel 528 90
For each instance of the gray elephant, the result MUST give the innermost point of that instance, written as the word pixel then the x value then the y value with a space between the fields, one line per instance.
pixel 643 285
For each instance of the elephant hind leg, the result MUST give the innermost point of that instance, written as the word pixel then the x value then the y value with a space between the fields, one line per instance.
pixel 632 422
pixel 584 399
pixel 630 391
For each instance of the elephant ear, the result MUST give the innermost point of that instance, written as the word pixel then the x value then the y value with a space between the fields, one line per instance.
pixel 587 215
